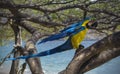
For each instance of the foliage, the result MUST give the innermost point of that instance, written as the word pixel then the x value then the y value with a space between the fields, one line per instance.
pixel 61 13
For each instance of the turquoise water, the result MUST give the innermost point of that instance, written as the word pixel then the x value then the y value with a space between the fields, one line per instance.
pixel 55 63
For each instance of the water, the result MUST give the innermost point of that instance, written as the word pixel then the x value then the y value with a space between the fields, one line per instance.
pixel 55 63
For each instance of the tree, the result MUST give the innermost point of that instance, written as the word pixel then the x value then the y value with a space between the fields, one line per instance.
pixel 37 16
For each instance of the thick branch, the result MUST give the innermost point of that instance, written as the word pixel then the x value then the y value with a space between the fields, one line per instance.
pixel 79 62
pixel 28 27
pixel 34 63
pixel 100 59
pixel 34 19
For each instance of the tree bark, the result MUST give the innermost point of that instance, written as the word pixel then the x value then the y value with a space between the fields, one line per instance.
pixel 34 63
pixel 95 55
pixel 15 63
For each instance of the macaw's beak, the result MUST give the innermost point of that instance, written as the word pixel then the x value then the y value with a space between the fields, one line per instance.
pixel 92 25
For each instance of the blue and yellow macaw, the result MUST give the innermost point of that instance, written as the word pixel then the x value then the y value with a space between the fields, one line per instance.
pixel 76 33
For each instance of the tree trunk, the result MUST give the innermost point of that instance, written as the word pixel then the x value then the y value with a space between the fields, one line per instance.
pixel 34 63
pixel 95 55
pixel 15 63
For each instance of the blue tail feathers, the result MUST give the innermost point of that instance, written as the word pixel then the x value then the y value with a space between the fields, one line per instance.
pixel 66 46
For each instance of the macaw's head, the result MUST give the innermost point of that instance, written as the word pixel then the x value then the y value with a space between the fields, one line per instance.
pixel 92 24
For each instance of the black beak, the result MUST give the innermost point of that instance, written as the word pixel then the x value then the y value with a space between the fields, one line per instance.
pixel 94 25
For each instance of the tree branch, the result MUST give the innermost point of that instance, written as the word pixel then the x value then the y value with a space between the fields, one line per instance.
pixel 107 45
pixel 100 59
pixel 15 63
pixel 33 63
pixel 38 7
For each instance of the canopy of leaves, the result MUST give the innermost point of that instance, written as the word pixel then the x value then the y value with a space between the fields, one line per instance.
pixel 50 16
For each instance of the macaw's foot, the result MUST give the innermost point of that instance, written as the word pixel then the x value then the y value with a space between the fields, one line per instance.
pixel 79 49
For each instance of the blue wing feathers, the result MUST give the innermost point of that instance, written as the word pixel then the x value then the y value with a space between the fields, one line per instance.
pixel 79 30
pixel 73 26
pixel 66 32
pixel 53 37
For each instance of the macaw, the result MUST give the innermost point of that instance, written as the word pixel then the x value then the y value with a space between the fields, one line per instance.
pixel 76 33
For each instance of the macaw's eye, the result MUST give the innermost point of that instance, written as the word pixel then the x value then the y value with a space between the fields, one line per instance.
pixel 87 25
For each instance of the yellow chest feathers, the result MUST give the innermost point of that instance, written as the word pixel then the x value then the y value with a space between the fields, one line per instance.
pixel 79 37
